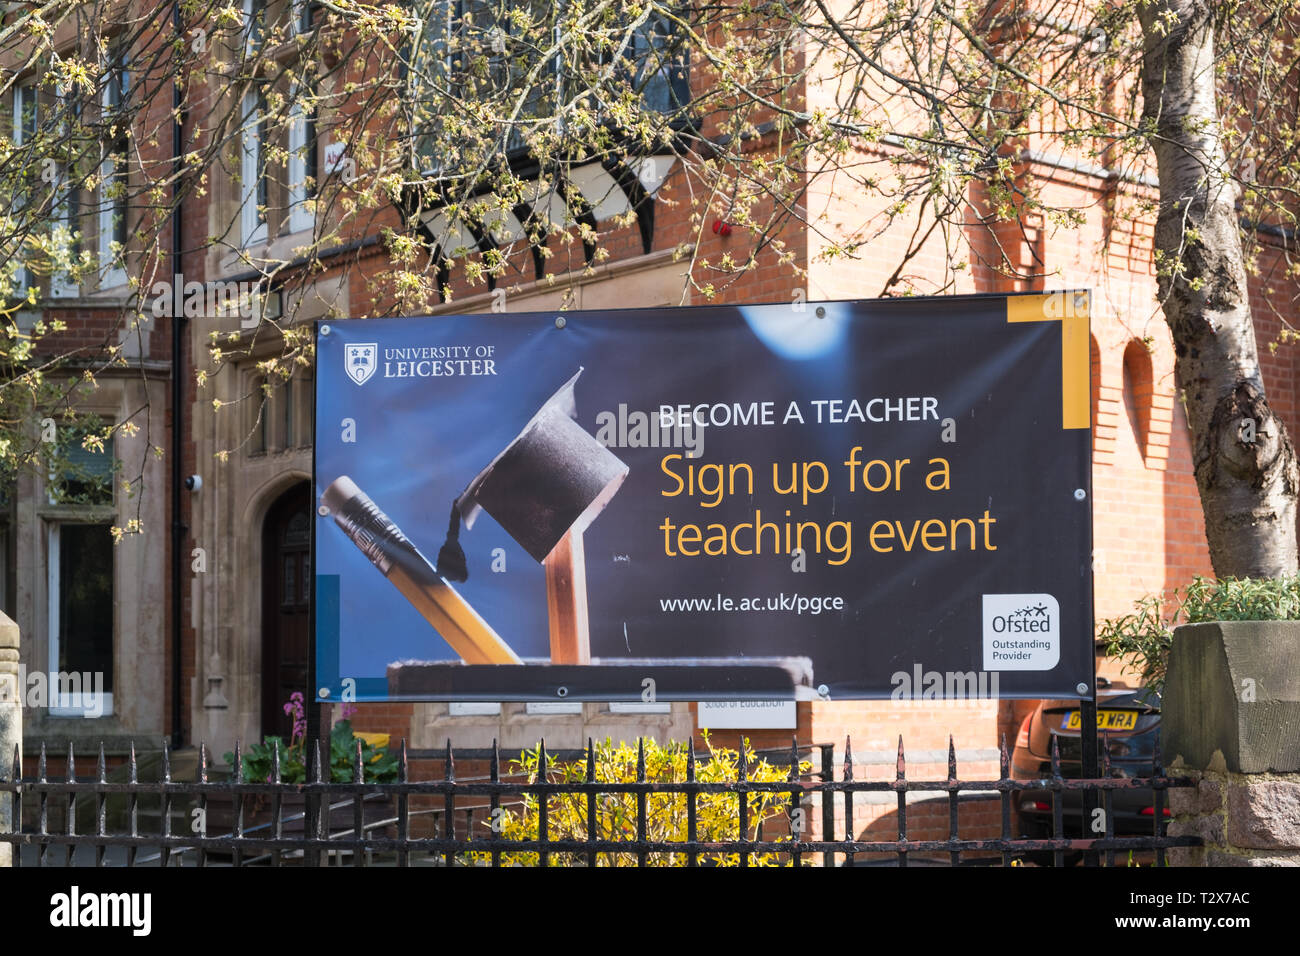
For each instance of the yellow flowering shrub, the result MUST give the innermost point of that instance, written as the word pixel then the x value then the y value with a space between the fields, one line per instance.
pixel 666 813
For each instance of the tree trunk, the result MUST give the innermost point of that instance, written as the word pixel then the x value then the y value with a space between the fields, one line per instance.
pixel 1245 463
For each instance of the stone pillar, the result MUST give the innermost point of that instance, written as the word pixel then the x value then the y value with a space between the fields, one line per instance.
pixel 1231 720
pixel 11 724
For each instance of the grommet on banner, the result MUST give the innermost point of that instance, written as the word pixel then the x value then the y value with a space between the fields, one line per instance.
pixel 1080 494
pixel 561 321
pixel 324 330
pixel 1081 687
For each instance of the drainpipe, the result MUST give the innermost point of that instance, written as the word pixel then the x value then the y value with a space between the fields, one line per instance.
pixel 179 528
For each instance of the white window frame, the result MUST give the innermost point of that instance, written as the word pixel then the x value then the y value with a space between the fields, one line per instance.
pixel 252 230
pixel 301 216
pixel 23 277
pixel 20 94
pixel 112 266
pixel 250 8
pixel 297 12
pixel 61 284
pixel 71 705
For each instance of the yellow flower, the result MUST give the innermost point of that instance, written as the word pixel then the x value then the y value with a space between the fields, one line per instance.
pixel 378 741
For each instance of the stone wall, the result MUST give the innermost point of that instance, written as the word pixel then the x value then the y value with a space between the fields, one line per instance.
pixel 1232 722
pixel 1244 819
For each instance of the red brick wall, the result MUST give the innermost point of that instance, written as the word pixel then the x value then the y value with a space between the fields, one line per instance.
pixel 1143 493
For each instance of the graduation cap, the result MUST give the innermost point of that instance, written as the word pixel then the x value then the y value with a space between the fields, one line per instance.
pixel 544 488
pixel 553 478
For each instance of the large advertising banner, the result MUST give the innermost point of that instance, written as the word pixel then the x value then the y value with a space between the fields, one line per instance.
pixel 868 499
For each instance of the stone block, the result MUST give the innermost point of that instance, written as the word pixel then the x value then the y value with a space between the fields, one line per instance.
pixel 1231 701
pixel 1264 815
pixel 1220 858
pixel 1206 797
pixel 1208 827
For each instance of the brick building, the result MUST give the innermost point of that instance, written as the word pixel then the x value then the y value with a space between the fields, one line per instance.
pixel 241 639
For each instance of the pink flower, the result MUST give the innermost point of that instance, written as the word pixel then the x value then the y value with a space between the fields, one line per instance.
pixel 297 710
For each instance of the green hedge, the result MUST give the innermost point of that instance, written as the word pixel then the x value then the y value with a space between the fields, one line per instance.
pixel 1147 633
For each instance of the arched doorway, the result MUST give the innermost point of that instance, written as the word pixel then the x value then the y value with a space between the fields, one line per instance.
pixel 286 595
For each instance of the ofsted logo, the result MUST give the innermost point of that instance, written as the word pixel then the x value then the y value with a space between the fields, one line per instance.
pixel 1022 632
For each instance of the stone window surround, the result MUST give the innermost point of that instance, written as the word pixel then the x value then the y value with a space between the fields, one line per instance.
pixel 138 593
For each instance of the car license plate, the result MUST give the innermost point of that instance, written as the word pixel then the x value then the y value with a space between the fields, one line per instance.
pixel 1106 720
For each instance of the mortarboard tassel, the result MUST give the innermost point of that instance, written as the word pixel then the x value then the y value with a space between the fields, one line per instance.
pixel 451 557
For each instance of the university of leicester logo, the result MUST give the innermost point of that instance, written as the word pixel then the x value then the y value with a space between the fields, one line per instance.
pixel 360 360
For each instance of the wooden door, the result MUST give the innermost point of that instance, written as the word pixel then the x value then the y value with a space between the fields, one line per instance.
pixel 286 594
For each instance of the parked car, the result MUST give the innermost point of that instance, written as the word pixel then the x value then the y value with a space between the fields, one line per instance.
pixel 1128 728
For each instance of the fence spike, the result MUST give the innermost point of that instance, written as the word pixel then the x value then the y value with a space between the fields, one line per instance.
pixel 401 762
pixel 848 758
pixel 316 761
pixel 902 760
pixel 358 771
pixel 1056 757
pixel 690 763
pixel 591 762
pixel 794 759
pixel 18 766
pixel 99 767
pixel 1105 759
pixel 494 767
pixel 743 767
pixel 166 762
pixel 72 764
pixel 275 760
pixel 131 769
pixel 541 758
pixel 952 760
pixel 1004 759
pixel 449 766
pixel 640 760
pixel 239 763
pixel 40 766
pixel 203 761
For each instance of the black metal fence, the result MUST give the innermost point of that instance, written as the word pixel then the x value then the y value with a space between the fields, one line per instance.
pixel 558 818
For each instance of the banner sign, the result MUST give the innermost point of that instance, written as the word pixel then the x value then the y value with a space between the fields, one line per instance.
pixel 869 499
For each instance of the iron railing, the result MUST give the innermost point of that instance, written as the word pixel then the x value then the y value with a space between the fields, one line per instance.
pixel 415 822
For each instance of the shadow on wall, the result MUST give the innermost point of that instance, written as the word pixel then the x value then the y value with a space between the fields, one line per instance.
pixel 979 817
